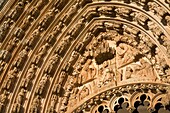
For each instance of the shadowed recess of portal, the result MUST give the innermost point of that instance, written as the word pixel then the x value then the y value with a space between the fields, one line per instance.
pixel 2 3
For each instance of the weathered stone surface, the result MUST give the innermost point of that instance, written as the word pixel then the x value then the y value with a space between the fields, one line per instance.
pixel 84 56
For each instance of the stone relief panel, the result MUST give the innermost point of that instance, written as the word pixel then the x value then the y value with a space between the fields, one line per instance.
pixel 111 61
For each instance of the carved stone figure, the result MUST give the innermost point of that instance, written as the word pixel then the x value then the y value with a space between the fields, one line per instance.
pixel 41 52
pixel 19 33
pixel 87 74
pixel 155 8
pixel 122 11
pixel 3 100
pixel 60 50
pixel 125 54
pixel 145 70
pixel 105 10
pixel 73 57
pixel 58 28
pixel 57 88
pixel 130 30
pixel 12 75
pixel 157 31
pixel 167 18
pixel 109 76
pixel 16 108
pixel 42 84
pixel 19 61
pixel 79 47
pixel 41 4
pixel 128 73
pixel 35 105
pixel 15 13
pixel 62 77
pixel 2 65
pixel 4 29
pixel 83 93
pixel 34 12
pixel 52 62
pixel 29 76
pixel 141 18
pixel 70 13
pixel 50 38
pixel 31 41
pixel 47 20
pixel 4 55
pixel 54 99
pixel 31 71
pixel 26 23
pixel 21 96
pixel 87 38
pixel 12 44
pixel 77 28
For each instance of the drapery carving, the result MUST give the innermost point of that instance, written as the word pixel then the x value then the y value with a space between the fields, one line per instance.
pixel 84 56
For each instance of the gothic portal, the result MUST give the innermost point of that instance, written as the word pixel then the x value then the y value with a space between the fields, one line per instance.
pixel 85 56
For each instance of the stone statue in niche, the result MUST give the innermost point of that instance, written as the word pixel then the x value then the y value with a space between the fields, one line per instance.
pixel 15 13
pixel 58 28
pixel 77 28
pixel 12 44
pixel 19 61
pixel 42 84
pixel 26 23
pixel 34 12
pixel 54 99
pixel 19 33
pixel 41 4
pixel 35 105
pixel 45 22
pixel 19 101
pixel 21 96
pixel 2 65
pixel 16 108
pixel 41 52
pixel 70 13
pixel 4 55
pixel 52 62
pixel 12 75
pixel 6 25
pixel 74 57
pixel 3 100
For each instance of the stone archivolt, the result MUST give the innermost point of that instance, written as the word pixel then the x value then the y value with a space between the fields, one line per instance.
pixel 91 56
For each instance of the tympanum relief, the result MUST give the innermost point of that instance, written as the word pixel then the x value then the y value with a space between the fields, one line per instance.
pixel 111 61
